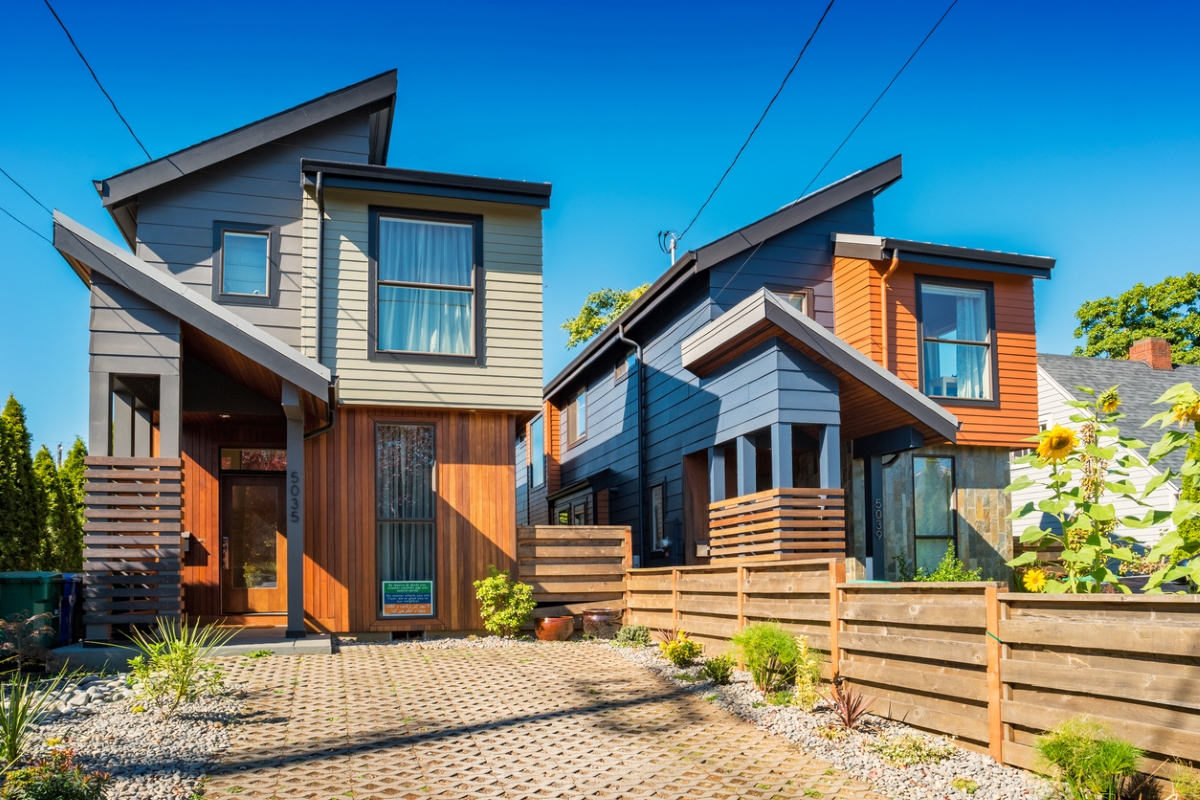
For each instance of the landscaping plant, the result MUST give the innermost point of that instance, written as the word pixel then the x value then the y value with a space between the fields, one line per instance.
pixel 25 701
pixel 633 636
pixel 907 749
pixel 175 664
pixel 808 676
pixel 951 569
pixel 21 638
pixel 718 669
pixel 1088 762
pixel 848 706
pixel 1185 783
pixel 504 605
pixel 769 652
pixel 56 776
pixel 681 651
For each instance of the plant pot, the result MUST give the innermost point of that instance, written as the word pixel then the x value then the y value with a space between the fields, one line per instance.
pixel 554 629
pixel 601 623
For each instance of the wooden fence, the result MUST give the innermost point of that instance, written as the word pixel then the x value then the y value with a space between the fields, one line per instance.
pixel 992 668
pixel 574 567
pixel 132 536
pixel 778 525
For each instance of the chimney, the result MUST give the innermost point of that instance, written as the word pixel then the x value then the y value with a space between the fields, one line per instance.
pixel 1153 350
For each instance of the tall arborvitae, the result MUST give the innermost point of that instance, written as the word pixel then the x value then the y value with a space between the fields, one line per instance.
pixel 20 498
pixel 70 477
pixel 55 512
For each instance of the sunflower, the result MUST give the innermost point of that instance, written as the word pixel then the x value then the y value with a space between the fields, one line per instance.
pixel 1034 580
pixel 1057 444
pixel 1187 411
pixel 1109 401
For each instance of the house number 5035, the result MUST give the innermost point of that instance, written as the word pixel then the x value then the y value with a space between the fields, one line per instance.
pixel 294 496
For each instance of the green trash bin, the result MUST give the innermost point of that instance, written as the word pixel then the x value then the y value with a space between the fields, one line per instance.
pixel 31 593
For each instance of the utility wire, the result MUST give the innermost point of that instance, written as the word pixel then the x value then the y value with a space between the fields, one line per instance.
pixel 26 191
pixel 112 102
pixel 778 91
pixel 840 146
pixel 26 226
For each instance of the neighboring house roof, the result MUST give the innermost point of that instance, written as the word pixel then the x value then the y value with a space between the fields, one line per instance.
pixel 878 248
pixel 1138 383
pixel 87 251
pixel 763 314
pixel 378 93
pixel 873 180
pixel 342 175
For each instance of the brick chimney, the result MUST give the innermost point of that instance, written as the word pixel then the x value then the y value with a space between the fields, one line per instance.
pixel 1153 350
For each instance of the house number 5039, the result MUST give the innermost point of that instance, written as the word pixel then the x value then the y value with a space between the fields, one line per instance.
pixel 294 496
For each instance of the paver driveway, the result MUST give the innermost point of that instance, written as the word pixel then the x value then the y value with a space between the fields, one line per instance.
pixel 533 721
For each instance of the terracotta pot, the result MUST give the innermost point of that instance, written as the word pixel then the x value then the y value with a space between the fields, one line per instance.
pixel 554 629
pixel 601 623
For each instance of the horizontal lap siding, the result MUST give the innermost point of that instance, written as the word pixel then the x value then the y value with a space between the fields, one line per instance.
pixel 510 376
pixel 856 305
pixel 129 334
pixel 262 187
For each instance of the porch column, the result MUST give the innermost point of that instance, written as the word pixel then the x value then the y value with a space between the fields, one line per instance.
pixel 100 414
pixel 122 424
pixel 716 474
pixel 746 466
pixel 142 425
pixel 294 411
pixel 831 457
pixel 781 456
pixel 874 551
pixel 170 415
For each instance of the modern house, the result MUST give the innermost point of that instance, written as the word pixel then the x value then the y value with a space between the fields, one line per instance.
pixel 1140 380
pixel 308 370
pixel 801 387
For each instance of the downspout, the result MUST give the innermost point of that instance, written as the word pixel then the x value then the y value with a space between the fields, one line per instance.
pixel 883 303
pixel 641 487
pixel 331 416
pixel 320 262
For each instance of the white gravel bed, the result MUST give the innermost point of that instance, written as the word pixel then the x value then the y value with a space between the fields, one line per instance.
pixel 929 781
pixel 148 757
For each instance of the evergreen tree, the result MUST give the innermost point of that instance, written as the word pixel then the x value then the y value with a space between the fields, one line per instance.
pixel 53 506
pixel 20 499
pixel 70 477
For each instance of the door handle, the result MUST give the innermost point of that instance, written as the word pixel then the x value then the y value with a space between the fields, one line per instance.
pixel 225 552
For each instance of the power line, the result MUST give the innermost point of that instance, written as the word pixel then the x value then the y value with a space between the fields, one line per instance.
pixel 843 144
pixel 112 102
pixel 26 191
pixel 26 226
pixel 778 91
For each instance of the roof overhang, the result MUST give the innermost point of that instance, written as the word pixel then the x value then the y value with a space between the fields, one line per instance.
pixel 877 248
pixel 88 252
pixel 374 178
pixel 763 315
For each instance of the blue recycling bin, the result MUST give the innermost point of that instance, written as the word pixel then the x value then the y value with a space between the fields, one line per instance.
pixel 70 613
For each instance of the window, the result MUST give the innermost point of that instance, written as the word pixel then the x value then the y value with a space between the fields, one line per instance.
pixel 624 367
pixel 537 453
pixel 405 503
pixel 245 263
pixel 933 509
pixel 658 538
pixel 424 284
pixel 577 417
pixel 957 335
pixel 801 301
pixel 253 459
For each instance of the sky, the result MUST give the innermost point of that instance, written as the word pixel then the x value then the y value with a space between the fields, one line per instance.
pixel 1063 129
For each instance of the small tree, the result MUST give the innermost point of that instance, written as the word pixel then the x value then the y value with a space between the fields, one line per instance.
pixel 599 310
pixel 61 545
pixel 504 605
pixel 21 510
pixel 1170 309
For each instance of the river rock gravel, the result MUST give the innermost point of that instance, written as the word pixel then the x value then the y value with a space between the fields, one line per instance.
pixel 928 781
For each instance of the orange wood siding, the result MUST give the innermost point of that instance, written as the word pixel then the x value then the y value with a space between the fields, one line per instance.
pixel 856 305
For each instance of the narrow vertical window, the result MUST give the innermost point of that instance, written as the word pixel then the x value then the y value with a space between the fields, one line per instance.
pixel 537 453
pixel 577 417
pixel 245 263
pixel 405 518
pixel 957 341
pixel 933 507
pixel 658 539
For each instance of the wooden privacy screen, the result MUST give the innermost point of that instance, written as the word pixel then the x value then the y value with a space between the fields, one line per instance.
pixel 574 567
pixel 778 525
pixel 132 535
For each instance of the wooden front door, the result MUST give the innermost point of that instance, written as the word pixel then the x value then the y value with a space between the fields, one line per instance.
pixel 253 544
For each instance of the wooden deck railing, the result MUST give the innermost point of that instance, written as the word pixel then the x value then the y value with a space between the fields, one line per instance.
pixel 132 537
pixel 779 525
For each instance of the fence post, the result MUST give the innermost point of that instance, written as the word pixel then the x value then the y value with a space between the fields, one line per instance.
pixel 837 574
pixel 675 600
pixel 741 600
pixel 994 685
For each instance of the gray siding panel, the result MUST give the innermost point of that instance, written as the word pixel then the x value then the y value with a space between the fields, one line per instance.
pixel 130 335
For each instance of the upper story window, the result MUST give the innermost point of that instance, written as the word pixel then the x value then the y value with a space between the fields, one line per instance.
pixel 244 260
pixel 800 300
pixel 576 414
pixel 424 287
pixel 624 366
pixel 537 453
pixel 957 338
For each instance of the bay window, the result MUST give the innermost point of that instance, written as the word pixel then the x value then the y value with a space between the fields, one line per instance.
pixel 957 337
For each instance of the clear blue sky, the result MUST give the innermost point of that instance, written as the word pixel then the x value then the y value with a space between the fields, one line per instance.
pixel 1070 130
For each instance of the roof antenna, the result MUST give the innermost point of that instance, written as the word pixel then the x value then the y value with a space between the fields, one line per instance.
pixel 666 243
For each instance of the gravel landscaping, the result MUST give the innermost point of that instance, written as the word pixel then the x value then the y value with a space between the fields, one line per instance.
pixel 149 758
pixel 851 751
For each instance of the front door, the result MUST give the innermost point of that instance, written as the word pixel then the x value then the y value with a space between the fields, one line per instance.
pixel 253 544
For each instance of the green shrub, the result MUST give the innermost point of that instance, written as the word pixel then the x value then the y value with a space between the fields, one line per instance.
pixel 1186 784
pixel 1087 760
pixel 55 777
pixel 681 651
pixel 718 669
pixel 808 676
pixel 951 569
pixel 780 697
pixel 906 749
pixel 22 705
pixel 504 605
pixel 769 653
pixel 175 664
pixel 633 636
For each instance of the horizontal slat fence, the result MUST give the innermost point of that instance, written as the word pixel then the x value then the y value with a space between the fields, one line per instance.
pixel 132 535
pixel 573 567
pixel 778 525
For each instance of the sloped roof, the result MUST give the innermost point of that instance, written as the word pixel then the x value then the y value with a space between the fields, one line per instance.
pixel 763 314
pixel 872 180
pixel 1138 383
pixel 87 251
pixel 883 248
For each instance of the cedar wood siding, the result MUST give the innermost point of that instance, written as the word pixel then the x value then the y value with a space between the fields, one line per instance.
pixel 509 286
pixel 260 187
pixel 1005 424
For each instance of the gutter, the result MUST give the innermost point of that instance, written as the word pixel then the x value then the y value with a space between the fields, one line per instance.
pixel 331 411
pixel 641 483
pixel 883 309
pixel 320 263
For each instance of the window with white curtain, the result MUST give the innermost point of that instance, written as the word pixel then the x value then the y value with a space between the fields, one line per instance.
pixel 425 285
pixel 405 503
pixel 956 341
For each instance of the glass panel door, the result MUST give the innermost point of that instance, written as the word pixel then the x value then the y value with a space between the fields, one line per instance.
pixel 405 520
pixel 253 544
